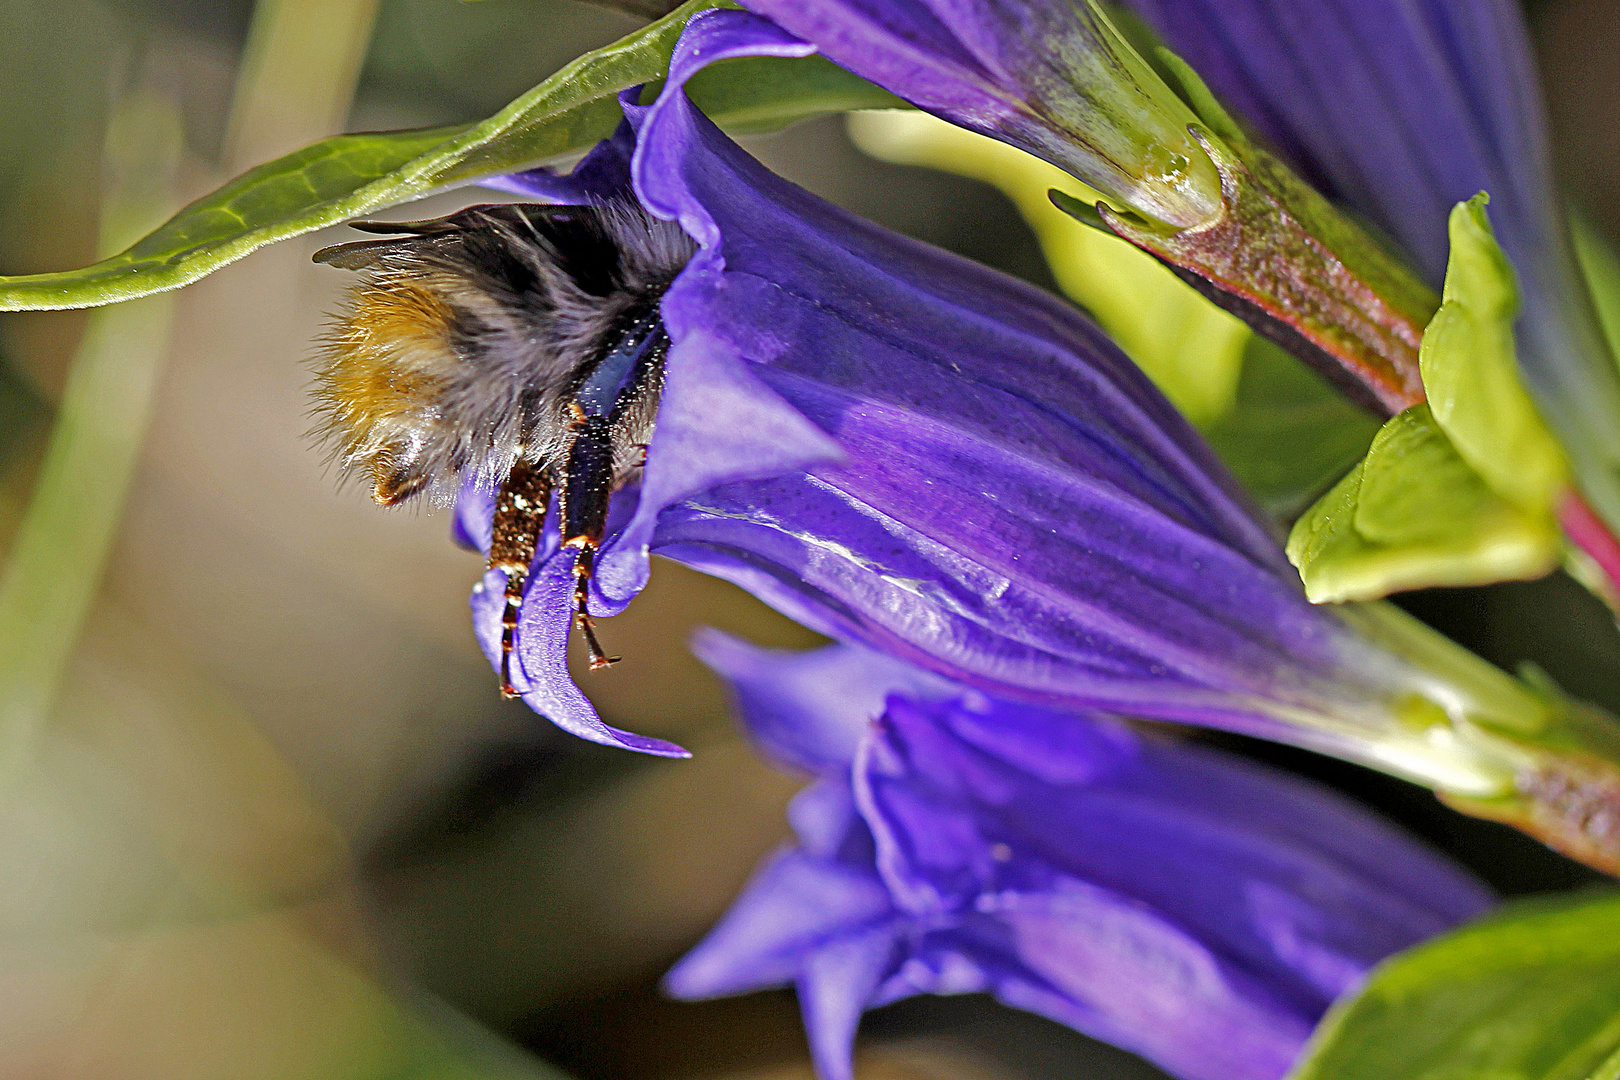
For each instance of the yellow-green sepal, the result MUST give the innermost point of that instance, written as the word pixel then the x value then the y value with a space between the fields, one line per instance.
pixel 1413 514
pixel 1460 490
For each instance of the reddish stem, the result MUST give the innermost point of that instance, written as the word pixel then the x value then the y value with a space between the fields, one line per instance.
pixel 1592 535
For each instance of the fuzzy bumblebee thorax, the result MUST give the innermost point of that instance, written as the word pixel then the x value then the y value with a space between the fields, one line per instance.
pixel 459 351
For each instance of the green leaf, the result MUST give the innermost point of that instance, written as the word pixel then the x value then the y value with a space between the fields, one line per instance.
pixel 1289 435
pixel 315 186
pixel 1415 514
pixel 1531 993
pixel 1189 347
pixel 756 94
pixel 350 175
pixel 1471 374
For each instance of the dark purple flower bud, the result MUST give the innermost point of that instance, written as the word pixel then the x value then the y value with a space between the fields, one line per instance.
pixel 1180 903
pixel 1056 79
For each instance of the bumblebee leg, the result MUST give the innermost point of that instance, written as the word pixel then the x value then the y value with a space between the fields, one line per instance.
pixel 619 381
pixel 583 568
pixel 586 491
pixel 520 515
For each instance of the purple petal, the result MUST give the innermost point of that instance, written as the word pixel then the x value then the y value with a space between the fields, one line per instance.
pixel 1250 862
pixel 716 423
pixel 1147 986
pixel 946 65
pixel 1196 909
pixel 810 709
pixel 835 984
pixel 473 518
pixel 1050 77
pixel 828 824
pixel 1018 507
pixel 540 661
pixel 905 450
pixel 604 170
pixel 795 905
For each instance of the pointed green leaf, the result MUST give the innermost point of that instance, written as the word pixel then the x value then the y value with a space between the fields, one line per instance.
pixel 1414 514
pixel 318 185
pixel 1461 490
pixel 1471 374
pixel 350 175
pixel 1531 993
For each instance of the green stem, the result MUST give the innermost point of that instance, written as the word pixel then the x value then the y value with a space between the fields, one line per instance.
pixel 61 546
pixel 1526 753
pixel 297 81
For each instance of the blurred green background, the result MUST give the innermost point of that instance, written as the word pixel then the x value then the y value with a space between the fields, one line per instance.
pixel 279 795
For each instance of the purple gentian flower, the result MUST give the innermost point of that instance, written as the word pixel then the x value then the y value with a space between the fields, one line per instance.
pixel 1197 909
pixel 1401 110
pixel 901 448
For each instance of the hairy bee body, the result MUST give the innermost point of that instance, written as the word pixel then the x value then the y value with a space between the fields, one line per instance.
pixel 461 350
pixel 519 346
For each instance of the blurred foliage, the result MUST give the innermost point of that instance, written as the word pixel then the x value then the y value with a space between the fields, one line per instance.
pixel 22 410
pixel 1280 402
pixel 1601 265
pixel 453 61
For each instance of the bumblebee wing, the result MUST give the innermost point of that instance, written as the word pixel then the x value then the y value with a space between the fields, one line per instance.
pixel 356 256
pixel 481 215
pixel 510 219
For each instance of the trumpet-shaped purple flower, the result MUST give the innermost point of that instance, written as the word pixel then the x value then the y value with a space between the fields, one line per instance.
pixel 1178 902
pixel 1403 109
pixel 901 448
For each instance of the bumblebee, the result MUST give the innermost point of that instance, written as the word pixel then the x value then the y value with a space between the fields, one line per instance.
pixel 519 346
